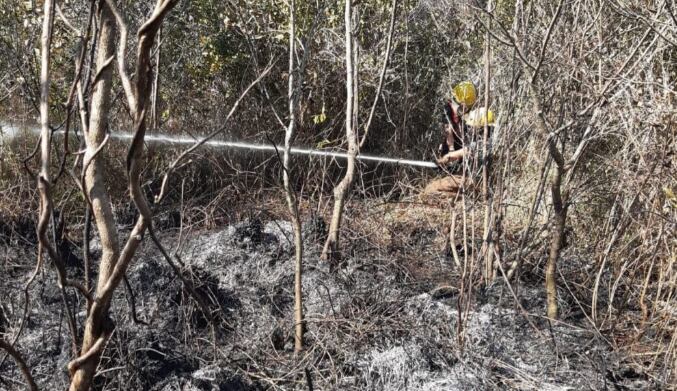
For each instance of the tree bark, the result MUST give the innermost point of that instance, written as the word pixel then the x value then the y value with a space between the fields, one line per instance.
pixel 97 324
pixel 559 202
pixel 46 41
pixel 289 192
pixel 331 246
pixel 487 245
pixel 156 84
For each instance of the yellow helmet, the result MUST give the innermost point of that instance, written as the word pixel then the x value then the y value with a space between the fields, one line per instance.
pixel 465 93
pixel 478 117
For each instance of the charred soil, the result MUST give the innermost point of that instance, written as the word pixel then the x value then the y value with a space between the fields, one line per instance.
pixel 387 318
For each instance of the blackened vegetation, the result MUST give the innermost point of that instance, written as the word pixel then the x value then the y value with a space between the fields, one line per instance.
pixel 20 228
pixel 379 322
pixel 250 232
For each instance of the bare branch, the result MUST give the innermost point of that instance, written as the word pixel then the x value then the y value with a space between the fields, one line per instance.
pixel 67 23
pixel 547 40
pixel 100 71
pixel 384 68
pixel 20 362
pixel 130 92
pixel 511 40
pixel 94 351
pixel 213 134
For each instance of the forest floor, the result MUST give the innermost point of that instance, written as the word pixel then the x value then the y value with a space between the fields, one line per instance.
pixel 387 318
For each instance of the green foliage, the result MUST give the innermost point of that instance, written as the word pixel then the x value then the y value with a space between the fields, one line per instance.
pixel 320 118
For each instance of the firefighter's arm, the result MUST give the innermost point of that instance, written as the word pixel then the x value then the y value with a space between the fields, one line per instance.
pixel 452 156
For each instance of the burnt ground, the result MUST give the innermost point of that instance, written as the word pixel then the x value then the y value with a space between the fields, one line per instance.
pixel 386 319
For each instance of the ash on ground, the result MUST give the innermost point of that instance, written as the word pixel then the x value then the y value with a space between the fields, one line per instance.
pixel 371 324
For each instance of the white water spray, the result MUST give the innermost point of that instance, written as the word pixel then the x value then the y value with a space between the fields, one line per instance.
pixel 157 138
pixel 274 148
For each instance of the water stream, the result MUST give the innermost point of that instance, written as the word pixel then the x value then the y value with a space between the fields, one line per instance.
pixel 9 131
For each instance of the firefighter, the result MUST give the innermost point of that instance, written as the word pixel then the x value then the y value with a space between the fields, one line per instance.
pixel 462 137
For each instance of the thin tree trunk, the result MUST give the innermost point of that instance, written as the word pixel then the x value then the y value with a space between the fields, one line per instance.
pixel 156 84
pixel 289 192
pixel 331 246
pixel 559 202
pixel 95 187
pixel 46 41
pixel 44 183
pixel 98 325
pixel 487 245
pixel 94 175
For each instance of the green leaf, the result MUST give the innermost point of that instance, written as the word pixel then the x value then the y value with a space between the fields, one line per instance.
pixel 319 118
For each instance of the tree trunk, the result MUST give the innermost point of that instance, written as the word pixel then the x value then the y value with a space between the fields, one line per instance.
pixel 487 245
pixel 98 325
pixel 97 193
pixel 331 246
pixel 46 41
pixel 156 84
pixel 289 192
pixel 559 202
